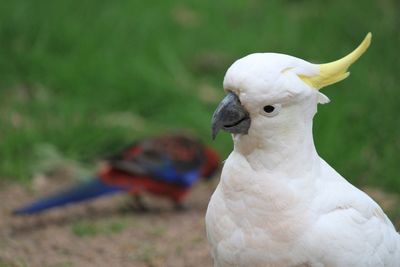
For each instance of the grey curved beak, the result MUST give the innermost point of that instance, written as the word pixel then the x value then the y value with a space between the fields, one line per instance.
pixel 230 116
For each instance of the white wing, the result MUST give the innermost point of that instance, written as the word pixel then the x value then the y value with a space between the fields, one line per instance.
pixel 351 229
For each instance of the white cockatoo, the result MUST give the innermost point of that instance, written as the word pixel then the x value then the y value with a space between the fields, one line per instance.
pixel 278 203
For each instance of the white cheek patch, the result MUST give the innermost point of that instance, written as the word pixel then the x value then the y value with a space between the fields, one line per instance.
pixel 323 99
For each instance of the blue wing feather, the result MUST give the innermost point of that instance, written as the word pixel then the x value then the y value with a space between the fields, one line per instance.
pixel 168 173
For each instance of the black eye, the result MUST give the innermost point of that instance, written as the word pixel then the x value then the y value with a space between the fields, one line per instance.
pixel 269 109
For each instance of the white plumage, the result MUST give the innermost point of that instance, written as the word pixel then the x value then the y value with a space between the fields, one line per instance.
pixel 278 203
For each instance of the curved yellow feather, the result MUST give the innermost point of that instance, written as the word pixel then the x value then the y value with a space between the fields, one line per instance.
pixel 336 71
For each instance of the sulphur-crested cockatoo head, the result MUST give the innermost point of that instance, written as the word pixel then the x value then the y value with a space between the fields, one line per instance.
pixel 271 94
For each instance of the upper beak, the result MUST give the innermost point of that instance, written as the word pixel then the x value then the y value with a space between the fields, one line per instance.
pixel 230 116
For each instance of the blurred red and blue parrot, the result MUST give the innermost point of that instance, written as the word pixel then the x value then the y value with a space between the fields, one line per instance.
pixel 166 166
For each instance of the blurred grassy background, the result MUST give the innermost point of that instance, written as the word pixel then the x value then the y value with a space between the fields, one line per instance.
pixel 85 77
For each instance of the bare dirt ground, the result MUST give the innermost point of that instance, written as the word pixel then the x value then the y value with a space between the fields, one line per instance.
pixel 103 232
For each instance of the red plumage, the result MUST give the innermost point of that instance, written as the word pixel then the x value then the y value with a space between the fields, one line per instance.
pixel 186 153
pixel 166 166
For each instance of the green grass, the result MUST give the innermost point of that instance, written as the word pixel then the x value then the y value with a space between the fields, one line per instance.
pixel 91 228
pixel 89 76
pixel 19 263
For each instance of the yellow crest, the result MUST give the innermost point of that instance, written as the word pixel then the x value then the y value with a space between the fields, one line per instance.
pixel 336 71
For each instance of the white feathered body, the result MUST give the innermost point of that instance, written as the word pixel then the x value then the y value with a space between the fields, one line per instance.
pixel 315 220
pixel 278 204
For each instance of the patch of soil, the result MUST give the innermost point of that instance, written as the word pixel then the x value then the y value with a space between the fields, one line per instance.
pixel 104 232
